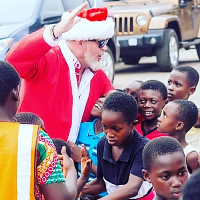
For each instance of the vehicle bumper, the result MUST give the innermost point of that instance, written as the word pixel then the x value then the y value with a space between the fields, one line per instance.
pixel 132 44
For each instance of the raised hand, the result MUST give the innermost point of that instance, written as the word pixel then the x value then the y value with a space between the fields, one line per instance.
pixel 68 20
pixel 86 162
pixel 66 162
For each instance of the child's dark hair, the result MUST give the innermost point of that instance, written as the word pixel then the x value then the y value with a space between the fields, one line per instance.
pixel 59 143
pixel 187 113
pixel 155 85
pixel 123 103
pixel 157 147
pixel 9 80
pixel 191 188
pixel 119 90
pixel 27 118
pixel 192 74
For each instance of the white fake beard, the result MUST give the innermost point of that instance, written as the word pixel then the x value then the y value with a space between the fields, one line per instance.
pixel 92 61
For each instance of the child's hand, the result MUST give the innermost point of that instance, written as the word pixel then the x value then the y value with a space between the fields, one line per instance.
pixel 66 162
pixel 60 157
pixel 86 163
pixel 76 152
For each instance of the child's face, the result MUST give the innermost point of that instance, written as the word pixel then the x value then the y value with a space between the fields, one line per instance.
pixel 168 121
pixel 97 108
pixel 150 103
pixel 168 173
pixel 178 86
pixel 116 129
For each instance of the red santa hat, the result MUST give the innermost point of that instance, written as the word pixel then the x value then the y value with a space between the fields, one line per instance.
pixel 94 24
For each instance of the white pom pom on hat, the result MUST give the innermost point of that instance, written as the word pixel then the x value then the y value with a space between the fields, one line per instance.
pixel 94 24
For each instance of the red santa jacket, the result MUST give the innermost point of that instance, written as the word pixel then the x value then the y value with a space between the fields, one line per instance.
pixel 46 87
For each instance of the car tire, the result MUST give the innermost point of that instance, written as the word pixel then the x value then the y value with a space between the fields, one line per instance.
pixel 168 54
pixel 198 50
pixel 131 61
pixel 108 64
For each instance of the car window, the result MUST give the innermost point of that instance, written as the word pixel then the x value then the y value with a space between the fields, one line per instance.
pixel 15 11
pixel 51 8
pixel 70 5
pixel 91 3
pixel 95 3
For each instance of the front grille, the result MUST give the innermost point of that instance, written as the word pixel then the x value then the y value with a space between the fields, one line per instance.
pixel 124 25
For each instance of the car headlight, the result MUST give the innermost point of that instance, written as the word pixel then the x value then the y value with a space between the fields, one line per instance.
pixel 4 43
pixel 141 20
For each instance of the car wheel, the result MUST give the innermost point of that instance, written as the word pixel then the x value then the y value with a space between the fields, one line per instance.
pixel 168 54
pixel 108 64
pixel 130 61
pixel 198 50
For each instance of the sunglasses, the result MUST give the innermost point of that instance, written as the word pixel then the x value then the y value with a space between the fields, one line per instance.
pixel 101 43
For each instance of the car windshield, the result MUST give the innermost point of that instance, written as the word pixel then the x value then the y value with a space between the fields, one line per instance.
pixel 15 11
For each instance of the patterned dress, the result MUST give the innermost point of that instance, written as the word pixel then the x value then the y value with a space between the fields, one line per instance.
pixel 48 166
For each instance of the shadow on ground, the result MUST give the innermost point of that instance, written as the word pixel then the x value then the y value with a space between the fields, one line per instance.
pixel 143 67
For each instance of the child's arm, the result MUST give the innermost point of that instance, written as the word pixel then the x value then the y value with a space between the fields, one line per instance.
pixel 193 161
pixel 126 191
pixel 66 189
pixel 96 186
pixel 69 172
pixel 123 192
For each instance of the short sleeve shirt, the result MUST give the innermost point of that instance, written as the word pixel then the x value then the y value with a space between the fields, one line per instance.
pixel 88 137
pixel 130 161
pixel 154 133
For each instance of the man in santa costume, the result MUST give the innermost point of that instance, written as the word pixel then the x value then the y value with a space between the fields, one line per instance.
pixel 60 69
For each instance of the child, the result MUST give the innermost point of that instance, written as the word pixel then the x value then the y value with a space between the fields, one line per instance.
pixel 177 118
pixel 85 162
pixel 152 96
pixel 191 189
pixel 165 167
pixel 119 153
pixel 31 118
pixel 29 162
pixel 59 143
pixel 28 118
pixel 89 134
pixel 182 83
pixel 133 88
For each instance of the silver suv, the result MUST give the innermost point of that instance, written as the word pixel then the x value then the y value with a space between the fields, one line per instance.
pixel 19 17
